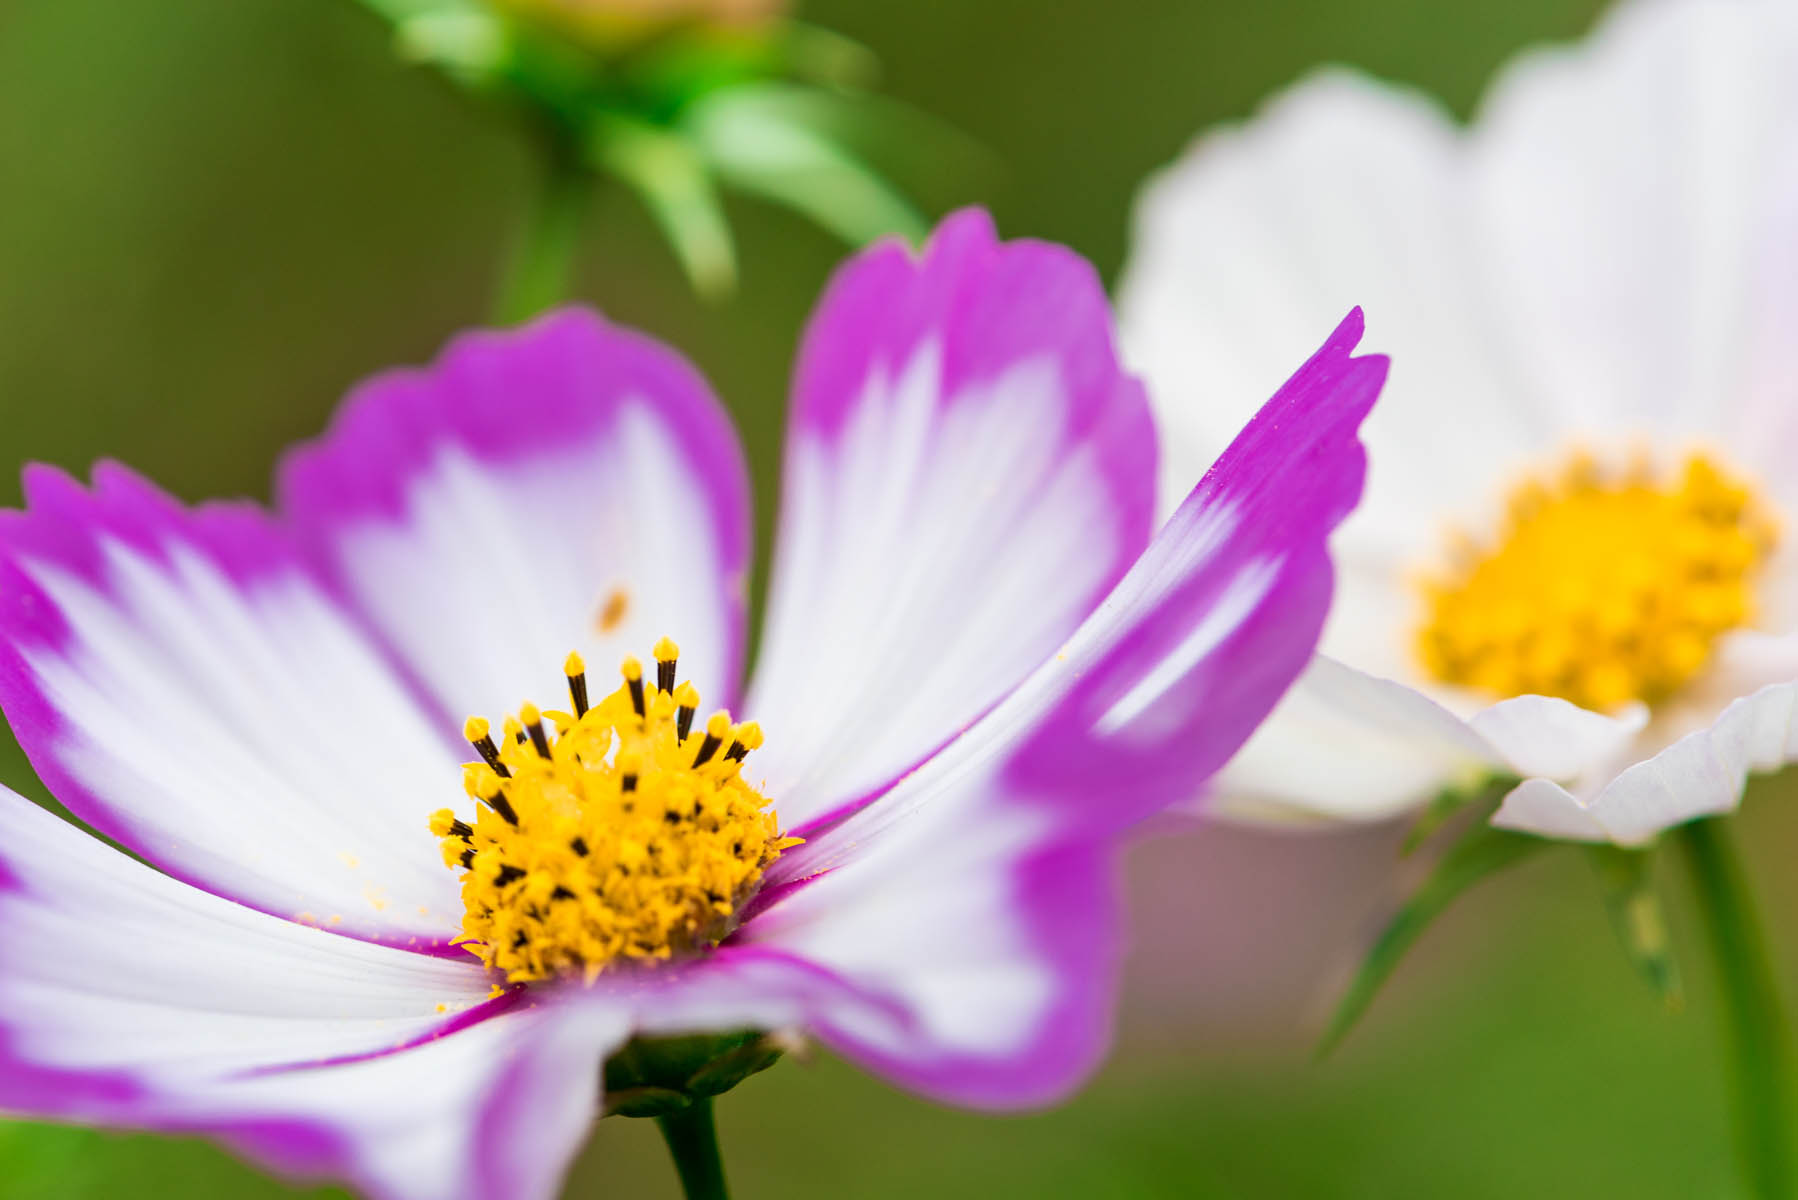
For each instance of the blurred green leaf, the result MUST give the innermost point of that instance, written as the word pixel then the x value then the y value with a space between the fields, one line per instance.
pixel 672 177
pixel 824 56
pixel 1638 917
pixel 1483 851
pixel 756 141
pixel 46 1161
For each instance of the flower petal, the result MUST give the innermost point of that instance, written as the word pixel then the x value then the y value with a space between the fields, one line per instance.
pixel 129 998
pixel 1549 737
pixel 968 471
pixel 1637 195
pixel 1344 745
pixel 1700 775
pixel 568 485
pixel 1342 191
pixel 969 911
pixel 185 683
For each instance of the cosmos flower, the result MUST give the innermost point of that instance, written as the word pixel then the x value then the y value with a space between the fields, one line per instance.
pixel 977 671
pixel 1575 565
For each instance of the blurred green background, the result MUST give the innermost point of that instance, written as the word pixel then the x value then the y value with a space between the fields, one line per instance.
pixel 219 213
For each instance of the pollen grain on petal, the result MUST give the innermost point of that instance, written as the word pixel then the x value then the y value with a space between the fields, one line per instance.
pixel 612 611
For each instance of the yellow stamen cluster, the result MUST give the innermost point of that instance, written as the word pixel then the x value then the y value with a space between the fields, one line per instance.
pixel 1602 587
pixel 609 833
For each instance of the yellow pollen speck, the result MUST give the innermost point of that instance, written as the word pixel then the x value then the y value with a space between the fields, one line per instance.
pixel 612 610
pixel 625 842
pixel 1602 588
pixel 665 650
pixel 476 728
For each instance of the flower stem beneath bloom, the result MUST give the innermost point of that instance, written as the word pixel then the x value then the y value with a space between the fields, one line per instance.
pixel 1765 1119
pixel 693 1141
pixel 541 264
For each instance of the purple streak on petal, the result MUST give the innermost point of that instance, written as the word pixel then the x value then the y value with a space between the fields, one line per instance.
pixel 505 1002
pixel 506 396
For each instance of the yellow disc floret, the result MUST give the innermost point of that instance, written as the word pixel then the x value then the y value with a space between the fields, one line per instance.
pixel 1602 587
pixel 609 833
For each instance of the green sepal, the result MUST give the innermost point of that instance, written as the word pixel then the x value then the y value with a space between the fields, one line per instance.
pixel 652 1077
pixel 681 114
pixel 764 140
pixel 1484 792
pixel 1482 851
pixel 1638 917
pixel 669 173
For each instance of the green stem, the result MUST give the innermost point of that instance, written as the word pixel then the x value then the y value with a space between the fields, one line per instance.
pixel 1761 1056
pixel 693 1141
pixel 542 259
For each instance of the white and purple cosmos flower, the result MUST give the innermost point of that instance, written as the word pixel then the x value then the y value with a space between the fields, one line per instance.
pixel 978 672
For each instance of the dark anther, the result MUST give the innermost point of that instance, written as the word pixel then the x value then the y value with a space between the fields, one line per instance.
pixel 665 675
pixel 468 858
pixel 499 804
pixel 707 748
pixel 579 846
pixel 507 874
pixel 627 783
pixel 636 687
pixel 737 752
pixel 561 893
pixel 672 817
pixel 461 829
pixel 683 723
pixel 539 739
pixel 520 940
pixel 577 692
pixel 490 752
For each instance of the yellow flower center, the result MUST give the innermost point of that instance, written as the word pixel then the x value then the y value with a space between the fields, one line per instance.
pixel 1603 587
pixel 609 833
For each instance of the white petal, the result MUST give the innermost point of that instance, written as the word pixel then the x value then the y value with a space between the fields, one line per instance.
pixel 1345 745
pixel 130 998
pixel 185 683
pixel 570 485
pixel 1637 194
pixel 1343 192
pixel 1702 774
pixel 967 471
pixel 1542 735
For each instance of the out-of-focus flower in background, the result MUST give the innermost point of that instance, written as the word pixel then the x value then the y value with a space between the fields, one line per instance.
pixel 1570 602
pixel 676 100
pixel 981 669
pixel 1577 563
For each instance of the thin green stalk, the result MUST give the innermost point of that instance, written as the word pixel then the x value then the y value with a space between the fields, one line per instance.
pixel 1760 1052
pixel 693 1141
pixel 541 265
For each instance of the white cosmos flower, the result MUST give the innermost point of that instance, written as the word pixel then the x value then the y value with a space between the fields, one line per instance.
pixel 1605 263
